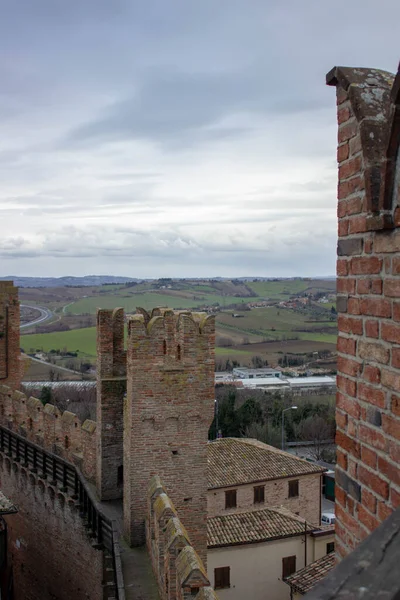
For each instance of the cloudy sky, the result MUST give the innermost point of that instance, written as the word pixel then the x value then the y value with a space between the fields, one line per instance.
pixel 176 137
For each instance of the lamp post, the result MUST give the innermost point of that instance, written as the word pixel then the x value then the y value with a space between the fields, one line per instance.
pixel 283 423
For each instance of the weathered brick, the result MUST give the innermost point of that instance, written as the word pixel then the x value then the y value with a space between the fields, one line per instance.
pixel 391 288
pixel 341 304
pixel 349 247
pixel 355 145
pixel 377 307
pixel 350 168
pixel 349 405
pixel 343 152
pixel 343 115
pixel 346 345
pixel 343 227
pixel 353 306
pixel 368 520
pixel 357 224
pixel 371 394
pixel 341 459
pixel 350 325
pixel 391 426
pixel 348 484
pixel 372 436
pixel 348 444
pixel 346 285
pixel 369 457
pixel 354 205
pixel 390 332
pixel 387 242
pixel 373 351
pixel 372 374
pixel 372 328
pixel 342 268
pixel 346 385
pixel 348 366
pixel 369 286
pixel 373 481
pixel 396 311
pixel 368 500
pixel 365 265
pixel 347 131
pixel 390 379
pixel 390 470
pixel 384 511
pixel 395 405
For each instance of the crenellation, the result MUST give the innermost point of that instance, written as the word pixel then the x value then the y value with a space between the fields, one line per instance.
pixel 47 426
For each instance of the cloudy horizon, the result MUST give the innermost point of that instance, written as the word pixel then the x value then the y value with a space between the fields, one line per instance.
pixel 176 139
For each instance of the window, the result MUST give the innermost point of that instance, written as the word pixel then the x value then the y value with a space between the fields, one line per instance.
pixel 120 475
pixel 330 547
pixel 230 499
pixel 222 578
pixel 178 352
pixel 288 566
pixel 294 488
pixel 259 494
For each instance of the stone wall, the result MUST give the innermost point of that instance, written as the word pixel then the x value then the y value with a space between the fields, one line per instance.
pixel 10 364
pixel 51 553
pixel 60 433
pixel 307 504
pixel 368 301
pixel 167 413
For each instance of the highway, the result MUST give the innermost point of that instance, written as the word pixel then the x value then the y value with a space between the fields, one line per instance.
pixel 45 314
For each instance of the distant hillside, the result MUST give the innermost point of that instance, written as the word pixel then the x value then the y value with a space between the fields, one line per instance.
pixel 88 280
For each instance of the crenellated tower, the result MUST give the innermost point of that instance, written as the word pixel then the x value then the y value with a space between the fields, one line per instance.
pixel 168 410
pixel 10 363
pixel 111 388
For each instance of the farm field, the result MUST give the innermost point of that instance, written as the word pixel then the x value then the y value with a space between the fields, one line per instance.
pixel 266 332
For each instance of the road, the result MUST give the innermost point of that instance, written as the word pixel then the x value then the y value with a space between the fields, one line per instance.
pixel 45 314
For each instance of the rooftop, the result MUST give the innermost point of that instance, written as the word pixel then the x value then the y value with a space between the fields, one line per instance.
pixel 304 580
pixel 237 461
pixel 252 527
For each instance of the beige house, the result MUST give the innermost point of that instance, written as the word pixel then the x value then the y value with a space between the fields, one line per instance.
pixel 251 553
pixel 246 475
pixel 304 580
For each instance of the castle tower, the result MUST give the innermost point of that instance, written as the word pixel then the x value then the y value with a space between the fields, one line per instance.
pixel 167 413
pixel 111 388
pixel 10 363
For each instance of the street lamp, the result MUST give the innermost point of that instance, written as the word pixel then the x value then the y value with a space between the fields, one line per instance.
pixel 283 422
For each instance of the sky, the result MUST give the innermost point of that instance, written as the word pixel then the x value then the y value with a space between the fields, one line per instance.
pixel 176 138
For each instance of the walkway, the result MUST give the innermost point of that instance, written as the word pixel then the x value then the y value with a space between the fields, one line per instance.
pixel 139 580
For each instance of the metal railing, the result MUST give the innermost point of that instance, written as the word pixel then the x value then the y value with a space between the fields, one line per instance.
pixel 69 480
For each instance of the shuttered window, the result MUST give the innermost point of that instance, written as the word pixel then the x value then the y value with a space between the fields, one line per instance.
pixel 288 566
pixel 293 488
pixel 259 494
pixel 230 499
pixel 222 578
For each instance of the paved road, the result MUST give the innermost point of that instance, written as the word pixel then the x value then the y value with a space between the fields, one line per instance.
pixel 45 314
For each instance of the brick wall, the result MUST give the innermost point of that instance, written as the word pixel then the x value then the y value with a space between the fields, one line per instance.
pixel 368 302
pixel 51 553
pixel 10 364
pixel 307 504
pixel 111 389
pixel 47 426
pixel 167 414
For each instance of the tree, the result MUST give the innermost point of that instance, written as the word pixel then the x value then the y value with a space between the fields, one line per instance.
pixel 316 430
pixel 265 432
pixel 45 395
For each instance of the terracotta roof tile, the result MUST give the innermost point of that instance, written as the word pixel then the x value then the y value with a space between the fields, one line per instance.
pixel 253 526
pixel 235 461
pixel 304 580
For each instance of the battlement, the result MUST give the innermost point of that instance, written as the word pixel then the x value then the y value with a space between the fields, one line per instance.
pixel 60 433
pixel 179 570
pixel 111 355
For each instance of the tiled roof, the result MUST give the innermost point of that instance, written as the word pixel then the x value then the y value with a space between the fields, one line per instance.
pixel 304 580
pixel 235 461
pixel 6 506
pixel 253 526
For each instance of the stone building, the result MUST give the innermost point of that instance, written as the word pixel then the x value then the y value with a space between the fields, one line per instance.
pixel 245 474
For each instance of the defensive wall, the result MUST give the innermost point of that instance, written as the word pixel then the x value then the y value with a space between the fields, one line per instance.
pixel 10 364
pixel 179 570
pixel 368 301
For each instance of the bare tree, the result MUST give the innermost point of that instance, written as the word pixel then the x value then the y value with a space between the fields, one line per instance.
pixel 317 431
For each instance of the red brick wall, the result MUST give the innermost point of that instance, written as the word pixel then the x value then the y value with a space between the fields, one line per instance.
pixel 10 364
pixel 368 303
pixel 167 414
pixel 51 552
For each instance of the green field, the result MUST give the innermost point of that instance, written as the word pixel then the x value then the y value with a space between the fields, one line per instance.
pixel 76 340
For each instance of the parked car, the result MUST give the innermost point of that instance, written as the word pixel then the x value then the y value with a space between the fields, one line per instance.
pixel 328 518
